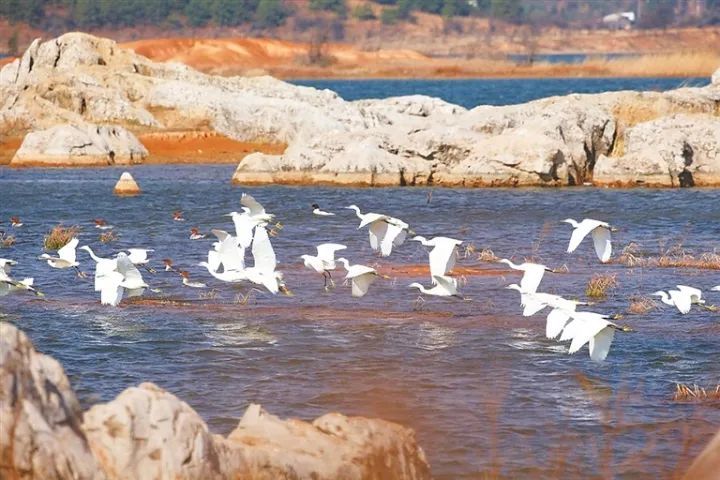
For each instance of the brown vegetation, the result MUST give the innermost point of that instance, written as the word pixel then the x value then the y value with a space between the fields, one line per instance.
pixel 674 257
pixel 6 240
pixel 641 305
pixel 599 285
pixel 684 393
pixel 107 237
pixel 59 236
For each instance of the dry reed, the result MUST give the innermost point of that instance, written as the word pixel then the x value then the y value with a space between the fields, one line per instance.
pixel 641 305
pixel 107 237
pixel 673 257
pixel 684 393
pixel 487 255
pixel 599 285
pixel 6 241
pixel 59 236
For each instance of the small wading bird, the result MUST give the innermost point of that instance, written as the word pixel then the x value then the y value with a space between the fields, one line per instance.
pixel 316 211
pixel 15 222
pixel 360 276
pixel 102 224
pixel 442 256
pixel 594 328
pixel 533 274
pixel 9 285
pixel 533 302
pixel 178 216
pixel 385 232
pixel 196 235
pixel 66 257
pixel 324 261
pixel 600 234
pixel 444 287
pixel 683 298
pixel 186 281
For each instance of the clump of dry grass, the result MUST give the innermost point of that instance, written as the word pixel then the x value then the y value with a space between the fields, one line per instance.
pixel 673 257
pixel 59 236
pixel 684 393
pixel 209 295
pixel 469 250
pixel 6 241
pixel 599 284
pixel 640 305
pixel 487 255
pixel 107 237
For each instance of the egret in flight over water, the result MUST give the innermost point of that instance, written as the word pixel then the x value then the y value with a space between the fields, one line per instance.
pixel 683 298
pixel 533 302
pixel 9 285
pixel 444 287
pixel 66 257
pixel 324 261
pixel 600 232
pixel 594 328
pixel 385 231
pixel 533 274
pixel 360 276
pixel 443 255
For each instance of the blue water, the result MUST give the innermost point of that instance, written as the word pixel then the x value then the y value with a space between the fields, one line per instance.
pixel 473 92
pixel 481 385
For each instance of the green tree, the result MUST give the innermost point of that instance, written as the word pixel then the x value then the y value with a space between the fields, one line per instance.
pixel 452 8
pixel 270 13
pixel 430 6
pixel 198 12
pixel 509 10
pixel 337 6
pixel 363 12
pixel 86 13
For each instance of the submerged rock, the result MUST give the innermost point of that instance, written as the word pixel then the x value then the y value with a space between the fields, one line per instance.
pixel 79 145
pixel 126 185
pixel 148 433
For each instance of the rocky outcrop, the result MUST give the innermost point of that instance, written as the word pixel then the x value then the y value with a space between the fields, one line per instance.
pixel 79 145
pixel 716 77
pixel 148 433
pixel 679 150
pixel 412 140
pixel 126 185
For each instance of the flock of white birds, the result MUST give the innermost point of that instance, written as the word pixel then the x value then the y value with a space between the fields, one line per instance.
pixel 119 277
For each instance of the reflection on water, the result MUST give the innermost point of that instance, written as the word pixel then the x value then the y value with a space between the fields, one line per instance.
pixel 482 386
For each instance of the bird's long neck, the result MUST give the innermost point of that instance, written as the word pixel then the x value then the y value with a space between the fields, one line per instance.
pixel 92 254
pixel 345 263
pixel 572 222
pixel 357 212
pixel 665 298
pixel 422 240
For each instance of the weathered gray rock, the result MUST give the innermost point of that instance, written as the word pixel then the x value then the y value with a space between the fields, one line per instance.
pixel 148 433
pixel 80 145
pixel 40 418
pixel 679 150
pixel 715 79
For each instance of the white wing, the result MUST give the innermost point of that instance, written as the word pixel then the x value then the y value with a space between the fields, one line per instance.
pixel 262 251
pixel 231 256
pixel 244 225
pixel 326 251
pixel 369 218
pixel 556 321
pixel 392 234
pixel 681 300
pixel 600 344
pixel 254 206
pixel 361 283
pixel 214 260
pixel 442 258
pixel 132 279
pixel 104 268
pixel 111 292
pixel 377 234
pixel 532 277
pixel 400 238
pixel 138 255
pixel 695 294
pixel 447 283
pixel 603 245
pixel 717 289
pixel 220 234
pixel 68 251
pixel 531 304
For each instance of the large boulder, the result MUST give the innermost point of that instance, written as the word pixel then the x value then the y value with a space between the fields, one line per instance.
pixel 674 151
pixel 715 79
pixel 40 418
pixel 79 145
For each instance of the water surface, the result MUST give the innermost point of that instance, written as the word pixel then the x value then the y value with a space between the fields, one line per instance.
pixel 481 385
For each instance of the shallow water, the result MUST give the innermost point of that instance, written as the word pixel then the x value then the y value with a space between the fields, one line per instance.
pixel 480 384
pixel 495 91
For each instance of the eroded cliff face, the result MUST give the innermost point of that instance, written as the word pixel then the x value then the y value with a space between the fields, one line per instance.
pixel 78 79
pixel 148 433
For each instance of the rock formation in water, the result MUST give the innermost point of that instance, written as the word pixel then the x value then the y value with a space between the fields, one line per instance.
pixel 126 185
pixel 412 140
pixel 148 433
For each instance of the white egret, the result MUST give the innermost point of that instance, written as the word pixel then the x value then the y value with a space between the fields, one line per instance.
pixel 132 279
pixel 102 224
pixel 66 257
pixel 533 274
pixel 600 234
pixel 9 285
pixel 385 231
pixel 442 256
pixel 110 287
pixel 229 276
pixel 227 253
pixel 263 271
pixel 196 235
pixel 178 216
pixel 594 328
pixel 683 298
pixel 324 261
pixel 533 302
pixel 444 287
pixel 186 281
pixel 255 209
pixel 103 267
pixel 244 225
pixel 316 211
pixel 15 222
pixel 361 277
pixel 139 256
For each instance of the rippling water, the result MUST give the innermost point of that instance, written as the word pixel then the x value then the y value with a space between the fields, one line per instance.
pixel 473 92
pixel 483 388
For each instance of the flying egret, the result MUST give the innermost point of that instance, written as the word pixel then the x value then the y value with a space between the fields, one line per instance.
pixel 560 308
pixel 594 328
pixel 196 235
pixel 103 267
pixel 255 209
pixel 178 216
pixel 324 261
pixel 102 224
pixel 186 281
pixel 683 298
pixel 385 231
pixel 15 222
pixel 132 279
pixel 443 254
pixel 444 287
pixel 361 277
pixel 244 225
pixel 600 234
pixel 139 257
pixel 533 274
pixel 66 257
pixel 9 285
pixel 265 262
pixel 226 252
pixel 316 211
